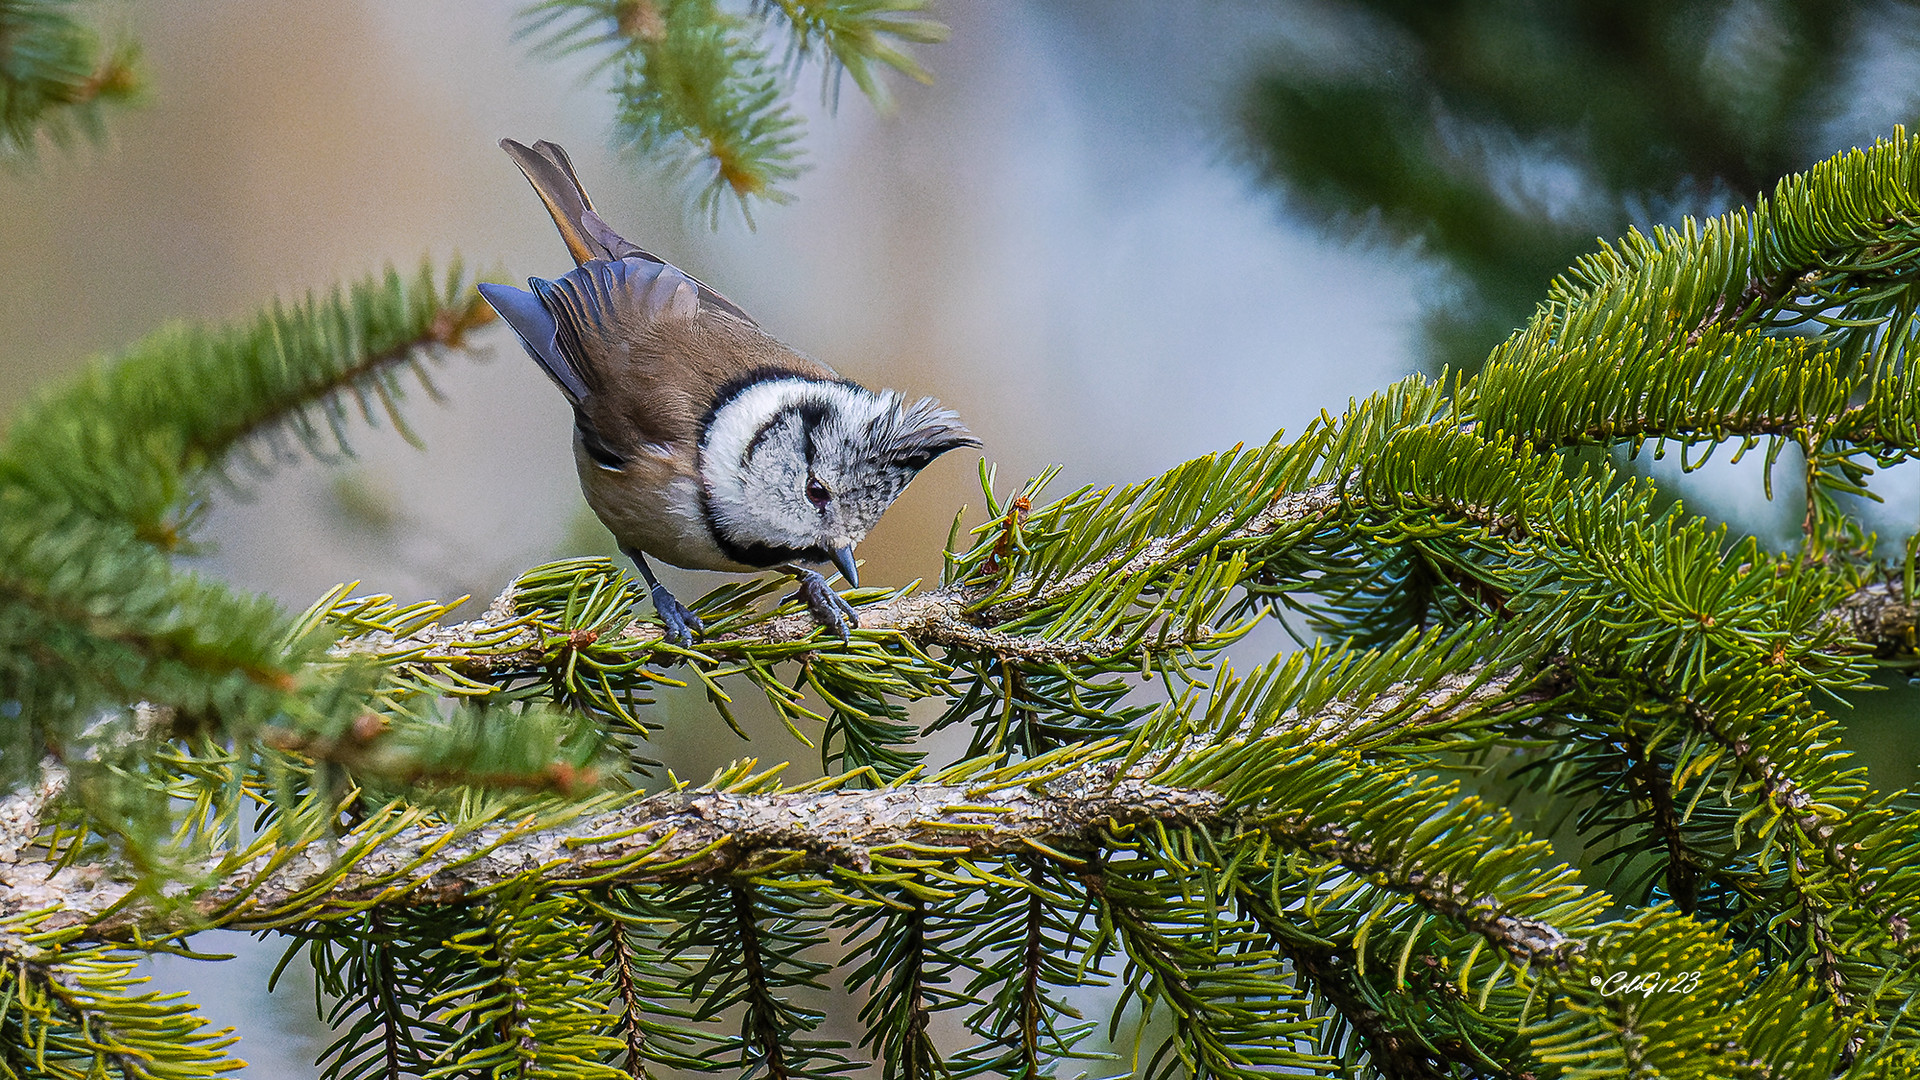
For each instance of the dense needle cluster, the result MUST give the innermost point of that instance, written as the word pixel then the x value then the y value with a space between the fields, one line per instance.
pixel 698 86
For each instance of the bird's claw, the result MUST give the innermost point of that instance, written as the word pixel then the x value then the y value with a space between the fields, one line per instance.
pixel 828 608
pixel 680 621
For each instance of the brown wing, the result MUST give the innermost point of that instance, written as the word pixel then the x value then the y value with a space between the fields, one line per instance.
pixel 653 357
pixel 547 167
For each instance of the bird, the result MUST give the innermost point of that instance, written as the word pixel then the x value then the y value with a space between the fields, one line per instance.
pixel 699 438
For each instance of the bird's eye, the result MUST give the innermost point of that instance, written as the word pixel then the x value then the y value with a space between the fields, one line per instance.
pixel 817 492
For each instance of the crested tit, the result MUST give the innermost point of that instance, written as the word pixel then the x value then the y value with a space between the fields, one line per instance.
pixel 699 438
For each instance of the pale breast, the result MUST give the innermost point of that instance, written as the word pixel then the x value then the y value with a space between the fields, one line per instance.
pixel 655 507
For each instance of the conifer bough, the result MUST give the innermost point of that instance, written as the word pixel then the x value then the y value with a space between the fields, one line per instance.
pixel 1335 863
pixel 56 78
pixel 697 86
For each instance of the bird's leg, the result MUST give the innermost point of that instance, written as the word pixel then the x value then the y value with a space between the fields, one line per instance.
pixel 829 608
pixel 680 621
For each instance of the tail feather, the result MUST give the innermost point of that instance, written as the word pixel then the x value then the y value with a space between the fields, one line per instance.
pixel 547 167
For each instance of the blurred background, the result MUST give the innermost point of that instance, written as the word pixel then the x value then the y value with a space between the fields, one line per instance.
pixel 1113 234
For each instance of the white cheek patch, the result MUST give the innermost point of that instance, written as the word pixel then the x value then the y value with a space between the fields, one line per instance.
pixel 741 503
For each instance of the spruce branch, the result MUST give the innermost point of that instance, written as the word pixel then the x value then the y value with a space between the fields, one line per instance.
pixel 750 945
pixel 21 813
pixel 857 36
pixel 1532 942
pixel 93 618
pixel 1881 618
pixel 101 485
pixel 763 1037
pixel 527 1001
pixel 1786 323
pixel 1786 798
pixel 672 837
pixel 632 1005
pixel 1394 1029
pixel 906 960
pixel 135 437
pixel 1037 916
pixel 959 616
pixel 1232 1017
pixel 1825 847
pixel 374 973
pixel 1030 1017
pixel 1064 801
pixel 80 1016
pixel 697 86
pixel 647 989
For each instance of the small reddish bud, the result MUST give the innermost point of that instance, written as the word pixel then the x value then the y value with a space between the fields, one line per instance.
pixel 367 727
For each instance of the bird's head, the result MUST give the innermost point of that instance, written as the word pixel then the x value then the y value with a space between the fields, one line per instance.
pixel 800 470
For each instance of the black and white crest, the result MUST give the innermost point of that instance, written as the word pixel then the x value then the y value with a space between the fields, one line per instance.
pixel 909 437
pixel 795 469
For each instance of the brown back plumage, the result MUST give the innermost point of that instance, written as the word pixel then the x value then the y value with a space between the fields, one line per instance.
pixel 548 169
pixel 652 367
pixel 656 373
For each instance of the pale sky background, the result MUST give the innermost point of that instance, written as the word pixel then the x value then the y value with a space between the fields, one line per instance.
pixel 1055 239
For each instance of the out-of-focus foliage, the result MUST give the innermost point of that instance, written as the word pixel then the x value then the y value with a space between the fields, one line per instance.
pixel 703 87
pixel 56 76
pixel 700 87
pixel 104 481
pixel 1509 134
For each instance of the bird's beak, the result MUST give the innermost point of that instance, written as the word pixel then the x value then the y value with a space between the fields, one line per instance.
pixel 843 558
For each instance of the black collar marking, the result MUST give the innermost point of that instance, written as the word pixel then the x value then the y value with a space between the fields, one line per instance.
pixel 733 388
pixel 764 555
